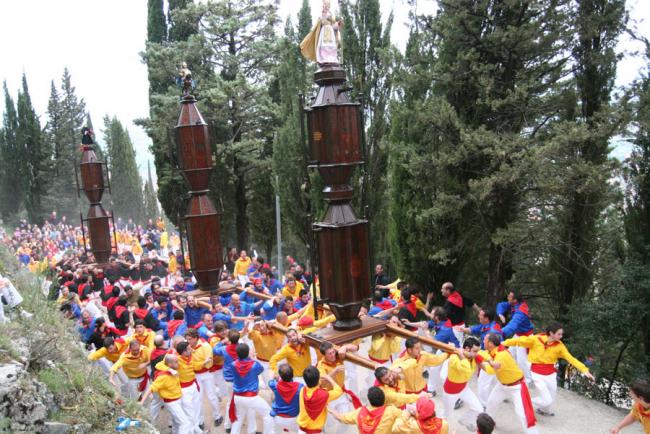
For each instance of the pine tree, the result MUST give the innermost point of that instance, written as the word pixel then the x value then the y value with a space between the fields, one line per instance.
pixel 368 57
pixel 156 25
pixel 149 197
pixel 12 159
pixel 38 154
pixel 125 178
pixel 179 29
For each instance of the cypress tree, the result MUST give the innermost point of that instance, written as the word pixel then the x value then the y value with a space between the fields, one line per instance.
pixel 37 152
pixel 125 178
pixel 149 197
pixel 13 158
pixel 156 25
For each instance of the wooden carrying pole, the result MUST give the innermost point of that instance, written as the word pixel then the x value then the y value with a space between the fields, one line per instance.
pixel 314 342
pixel 449 348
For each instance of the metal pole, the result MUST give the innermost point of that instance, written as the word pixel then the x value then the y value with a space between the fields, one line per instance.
pixel 278 226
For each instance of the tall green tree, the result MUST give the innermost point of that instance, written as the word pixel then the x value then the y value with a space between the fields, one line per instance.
pixel 156 25
pixel 126 183
pixel 597 27
pixel 66 115
pixel 13 158
pixel 30 138
pixel 149 196
pixel 180 29
pixel 369 58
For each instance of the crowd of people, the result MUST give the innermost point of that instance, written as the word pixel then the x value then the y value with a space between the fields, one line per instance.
pixel 236 358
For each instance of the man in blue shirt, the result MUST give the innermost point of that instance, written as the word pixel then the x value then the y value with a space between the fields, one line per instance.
pixel 273 284
pixel 487 324
pixel 239 310
pixel 245 386
pixel 380 303
pixel 270 309
pixel 195 310
pixel 286 399
pixel 519 325
pixel 303 299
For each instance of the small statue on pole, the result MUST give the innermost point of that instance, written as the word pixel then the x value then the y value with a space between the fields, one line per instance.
pixel 322 44
pixel 184 79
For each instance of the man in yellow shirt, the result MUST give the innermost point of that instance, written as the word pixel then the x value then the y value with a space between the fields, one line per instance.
pixel 295 352
pixel 421 419
pixel 640 394
pixel 377 418
pixel 266 342
pixel 414 382
pixel 332 364
pixel 141 334
pixel 462 367
pixel 241 267
pixel 390 381
pixel 135 363
pixel 168 386
pixel 314 400
pixel 202 361
pixel 292 288
pixel 544 351
pixel 191 399
pixel 510 384
pixel 107 355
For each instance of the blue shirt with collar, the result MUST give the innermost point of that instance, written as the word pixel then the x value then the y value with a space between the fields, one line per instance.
pixel 249 382
pixel 280 406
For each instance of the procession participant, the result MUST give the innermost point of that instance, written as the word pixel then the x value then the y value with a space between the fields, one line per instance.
pixel 292 288
pixel 544 351
pixel 134 361
pixel 461 368
pixel 245 398
pixel 141 334
pixel 296 352
pixel 510 384
pixel 377 418
pixel 391 382
pixel 421 419
pixel 286 399
pixel 108 354
pixel 202 361
pixel 157 356
pixel 191 399
pixel 484 424
pixel 167 386
pixel 220 334
pixel 205 326
pixel 380 303
pixel 640 394
pixel 487 324
pixel 177 326
pixel 241 267
pixel 266 341
pixel 413 379
pixel 314 400
pixel 519 325
pixel 455 306
pixel 382 347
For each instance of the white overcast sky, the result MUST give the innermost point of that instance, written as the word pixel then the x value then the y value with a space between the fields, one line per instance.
pixel 100 41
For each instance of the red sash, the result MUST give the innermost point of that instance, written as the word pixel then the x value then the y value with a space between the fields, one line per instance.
pixel 526 402
pixel 452 388
pixel 232 412
pixel 142 385
pixel 368 420
pixel 543 368
pixel 456 299
pixel 316 404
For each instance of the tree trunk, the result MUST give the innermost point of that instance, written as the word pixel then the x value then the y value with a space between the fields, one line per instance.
pixel 241 205
pixel 499 272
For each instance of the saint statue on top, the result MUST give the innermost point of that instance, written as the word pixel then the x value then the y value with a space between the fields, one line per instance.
pixel 322 43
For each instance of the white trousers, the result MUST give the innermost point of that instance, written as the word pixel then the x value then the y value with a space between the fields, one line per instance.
pixel 469 398
pixel 132 386
pixel 264 381
pixel 520 354
pixel 546 386
pixel 244 404
pixel 285 423
pixel 437 375
pixel 351 377
pixel 342 405
pixel 156 406
pixel 513 393
pixel 221 384
pixel 485 384
pixel 191 402
pixel 181 423
pixel 251 423
pixel 209 392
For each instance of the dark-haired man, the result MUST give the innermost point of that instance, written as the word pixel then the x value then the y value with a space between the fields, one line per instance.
pixel 377 418
pixel 135 363
pixel 286 401
pixel 519 325
pixel 314 400
pixel 413 362
pixel 245 388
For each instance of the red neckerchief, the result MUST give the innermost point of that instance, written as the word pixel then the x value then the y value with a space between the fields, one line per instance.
pixel 384 304
pixel 140 313
pixel 433 425
pixel 456 299
pixel 140 338
pixel 367 420
pixel 111 302
pixel 172 326
pixel 317 403
pixel 546 343
pixel 231 349
pixel 448 324
pixel 298 349
pixel 80 289
pixel 287 390
pixel 523 308
pixel 119 310
pixel 410 306
pixel 643 412
pixel 243 367
pixel 157 353
pixel 378 384
pixel 498 350
pixel 160 373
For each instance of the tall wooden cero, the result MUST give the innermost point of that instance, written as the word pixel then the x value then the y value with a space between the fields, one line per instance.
pixel 334 125
pixel 201 218
pixel 92 184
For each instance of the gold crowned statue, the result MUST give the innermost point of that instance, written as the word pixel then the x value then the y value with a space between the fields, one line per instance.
pixel 321 44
